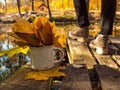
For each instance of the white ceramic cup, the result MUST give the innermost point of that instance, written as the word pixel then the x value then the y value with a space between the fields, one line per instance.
pixel 42 58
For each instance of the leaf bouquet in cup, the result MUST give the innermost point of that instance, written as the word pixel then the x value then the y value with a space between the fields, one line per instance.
pixel 41 32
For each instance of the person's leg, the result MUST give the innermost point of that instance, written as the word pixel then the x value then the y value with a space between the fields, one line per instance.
pixel 107 18
pixel 87 1
pixel 81 9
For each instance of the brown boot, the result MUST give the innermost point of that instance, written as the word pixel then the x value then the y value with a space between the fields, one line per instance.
pixel 79 34
pixel 100 44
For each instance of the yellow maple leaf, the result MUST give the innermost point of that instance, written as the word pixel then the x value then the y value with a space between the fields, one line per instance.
pixel 15 50
pixel 45 74
pixel 60 40
pixel 43 30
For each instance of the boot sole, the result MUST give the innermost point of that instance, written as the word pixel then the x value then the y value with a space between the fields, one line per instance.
pixel 80 39
pixel 99 50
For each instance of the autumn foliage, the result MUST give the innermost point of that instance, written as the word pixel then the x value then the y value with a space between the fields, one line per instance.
pixel 41 32
pixel 54 5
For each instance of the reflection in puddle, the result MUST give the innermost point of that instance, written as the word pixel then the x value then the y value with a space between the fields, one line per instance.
pixel 5 45
pixel 10 64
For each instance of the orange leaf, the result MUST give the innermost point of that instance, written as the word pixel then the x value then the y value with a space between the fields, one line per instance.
pixel 30 38
pixel 22 26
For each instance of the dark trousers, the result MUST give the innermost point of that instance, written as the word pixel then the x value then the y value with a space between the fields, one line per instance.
pixel 108 9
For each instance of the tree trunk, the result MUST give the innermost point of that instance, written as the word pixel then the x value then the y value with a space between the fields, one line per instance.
pixel 50 16
pixel 18 4
pixel 12 5
pixel 5 5
pixel 96 2
pixel 62 5
pixel 43 0
pixel 68 3
pixel 32 5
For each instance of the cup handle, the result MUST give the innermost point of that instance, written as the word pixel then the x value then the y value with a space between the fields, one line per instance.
pixel 61 58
